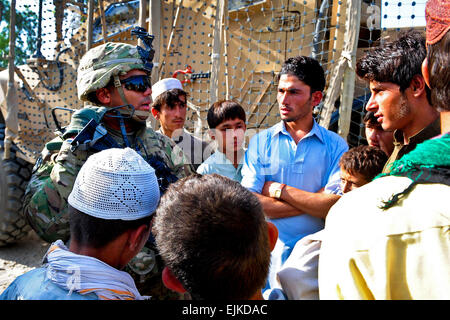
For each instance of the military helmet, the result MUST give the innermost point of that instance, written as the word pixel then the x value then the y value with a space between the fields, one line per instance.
pixel 101 63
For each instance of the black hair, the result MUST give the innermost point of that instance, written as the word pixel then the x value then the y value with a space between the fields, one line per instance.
pixel 365 160
pixel 212 234
pixel 305 69
pixel 370 120
pixel 396 61
pixel 223 110
pixel 94 232
pixel 438 57
pixel 169 98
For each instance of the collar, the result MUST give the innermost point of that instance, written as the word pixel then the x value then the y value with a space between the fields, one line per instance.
pixel 222 157
pixel 280 127
pixel 175 138
pixel 181 137
pixel 430 130
pixel 84 274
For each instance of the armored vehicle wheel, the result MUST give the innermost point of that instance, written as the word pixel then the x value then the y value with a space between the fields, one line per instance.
pixel 14 176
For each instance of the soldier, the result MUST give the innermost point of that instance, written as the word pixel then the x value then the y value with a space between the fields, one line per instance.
pixel 114 79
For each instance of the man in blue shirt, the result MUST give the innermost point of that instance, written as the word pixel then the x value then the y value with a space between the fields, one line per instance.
pixel 293 167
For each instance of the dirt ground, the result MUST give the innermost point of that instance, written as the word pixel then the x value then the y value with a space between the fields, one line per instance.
pixel 20 257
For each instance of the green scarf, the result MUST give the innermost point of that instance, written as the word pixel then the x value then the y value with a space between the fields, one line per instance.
pixel 429 162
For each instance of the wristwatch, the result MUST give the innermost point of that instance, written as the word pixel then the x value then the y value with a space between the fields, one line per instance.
pixel 275 190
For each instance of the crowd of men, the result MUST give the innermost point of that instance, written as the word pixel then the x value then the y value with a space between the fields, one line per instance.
pixel 132 212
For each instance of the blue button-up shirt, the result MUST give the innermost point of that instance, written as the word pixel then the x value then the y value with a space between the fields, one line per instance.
pixel 220 164
pixel 310 165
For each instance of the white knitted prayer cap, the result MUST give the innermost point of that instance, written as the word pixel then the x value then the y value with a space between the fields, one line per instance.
pixel 165 85
pixel 116 184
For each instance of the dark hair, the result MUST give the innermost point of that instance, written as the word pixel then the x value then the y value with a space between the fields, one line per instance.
pixel 94 232
pixel 305 69
pixel 223 110
pixel 370 120
pixel 169 98
pixel 212 234
pixel 92 96
pixel 396 61
pixel 439 71
pixel 368 161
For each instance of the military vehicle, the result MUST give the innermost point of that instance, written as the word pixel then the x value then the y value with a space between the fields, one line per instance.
pixel 219 49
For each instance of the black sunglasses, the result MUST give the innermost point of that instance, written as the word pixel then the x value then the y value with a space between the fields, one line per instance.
pixel 138 83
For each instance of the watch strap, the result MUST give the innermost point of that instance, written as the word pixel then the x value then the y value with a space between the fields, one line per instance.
pixel 279 190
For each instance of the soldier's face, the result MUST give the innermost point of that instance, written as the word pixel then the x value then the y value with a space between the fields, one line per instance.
pixel 141 101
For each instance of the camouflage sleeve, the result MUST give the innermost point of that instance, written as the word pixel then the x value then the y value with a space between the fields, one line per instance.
pixel 158 144
pixel 67 166
pixel 45 205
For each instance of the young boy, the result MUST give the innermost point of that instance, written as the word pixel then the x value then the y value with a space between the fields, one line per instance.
pixel 226 121
pixel 298 278
pixel 376 136
pixel 360 165
pixel 214 239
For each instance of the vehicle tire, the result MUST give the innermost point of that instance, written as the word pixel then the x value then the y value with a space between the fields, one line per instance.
pixel 14 176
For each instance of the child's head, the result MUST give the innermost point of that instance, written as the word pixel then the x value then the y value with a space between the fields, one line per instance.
pixel 213 237
pixel 375 134
pixel 226 120
pixel 360 165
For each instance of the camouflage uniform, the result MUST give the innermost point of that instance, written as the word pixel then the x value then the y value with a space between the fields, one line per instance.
pixel 45 201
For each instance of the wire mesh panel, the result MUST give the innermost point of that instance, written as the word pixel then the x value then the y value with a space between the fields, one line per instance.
pixel 47 79
pixel 256 38
pixel 47 92
pixel 230 49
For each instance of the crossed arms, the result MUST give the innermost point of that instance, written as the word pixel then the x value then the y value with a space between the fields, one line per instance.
pixel 293 202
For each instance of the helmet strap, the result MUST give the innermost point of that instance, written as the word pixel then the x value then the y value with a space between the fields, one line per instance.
pixel 123 130
pixel 118 85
